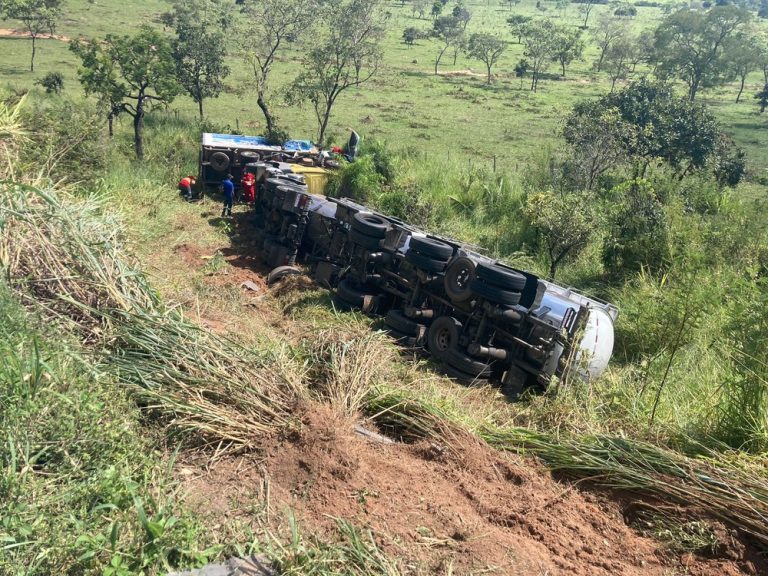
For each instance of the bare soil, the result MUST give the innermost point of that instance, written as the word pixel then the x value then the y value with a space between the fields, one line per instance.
pixel 11 33
pixel 465 508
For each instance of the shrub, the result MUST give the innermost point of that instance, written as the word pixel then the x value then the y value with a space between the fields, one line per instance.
pixel 358 180
pixel 638 230
pixel 53 82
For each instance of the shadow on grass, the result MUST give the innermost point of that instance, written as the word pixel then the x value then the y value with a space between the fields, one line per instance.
pixel 245 236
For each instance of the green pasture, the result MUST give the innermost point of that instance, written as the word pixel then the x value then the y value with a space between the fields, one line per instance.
pixel 451 115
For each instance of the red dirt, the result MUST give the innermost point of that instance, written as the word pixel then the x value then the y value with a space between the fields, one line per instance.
pixel 433 508
pixel 10 33
pixel 241 267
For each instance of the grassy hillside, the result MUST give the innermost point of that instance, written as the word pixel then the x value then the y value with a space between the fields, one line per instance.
pixel 453 114
pixel 155 414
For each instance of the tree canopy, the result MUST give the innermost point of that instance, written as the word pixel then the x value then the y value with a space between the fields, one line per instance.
pixel 648 123
pixel 487 48
pixel 129 73
pixel 199 48
pixel 266 28
pixel 689 44
pixel 347 53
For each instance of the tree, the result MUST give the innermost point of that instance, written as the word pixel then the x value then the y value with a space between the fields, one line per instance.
pixel 595 135
pixel 567 46
pixel 656 125
pixel 609 29
pixel 517 23
pixel 447 29
pixel 625 10
pixel 464 16
pixel 762 98
pixel 199 49
pixel 38 16
pixel 565 222
pixel 266 27
pixel 346 53
pixel 411 34
pixel 487 48
pixel 761 55
pixel 585 8
pixel 620 59
pixel 53 82
pixel 420 7
pixel 741 58
pixel 128 74
pixel 520 69
pixel 689 44
pixel 539 41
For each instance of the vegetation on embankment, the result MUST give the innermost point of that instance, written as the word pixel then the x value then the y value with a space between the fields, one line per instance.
pixel 100 329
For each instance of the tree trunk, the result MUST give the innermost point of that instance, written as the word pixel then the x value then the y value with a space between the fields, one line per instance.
pixel 586 17
pixel 562 62
pixel 324 122
pixel 200 107
pixel 437 62
pixel 600 60
pixel 741 88
pixel 613 83
pixel 109 124
pixel 534 80
pixel 692 90
pixel 455 55
pixel 138 128
pixel 488 66
pixel 32 62
pixel 261 101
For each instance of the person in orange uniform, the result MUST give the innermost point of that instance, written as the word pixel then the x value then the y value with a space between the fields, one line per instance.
pixel 248 183
pixel 185 187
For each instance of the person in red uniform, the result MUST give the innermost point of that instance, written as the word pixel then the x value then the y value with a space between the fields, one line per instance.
pixel 248 183
pixel 185 186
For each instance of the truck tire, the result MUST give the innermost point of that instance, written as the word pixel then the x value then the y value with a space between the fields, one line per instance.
pixel 504 278
pixel 431 248
pixel 355 297
pixel 219 161
pixel 396 320
pixel 443 334
pixel 350 294
pixel 458 278
pixel 456 358
pixel 494 294
pixel 370 224
pixel 281 272
pixel 424 262
pixel 369 242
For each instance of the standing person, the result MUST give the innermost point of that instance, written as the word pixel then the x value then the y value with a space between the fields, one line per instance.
pixel 185 187
pixel 248 184
pixel 228 189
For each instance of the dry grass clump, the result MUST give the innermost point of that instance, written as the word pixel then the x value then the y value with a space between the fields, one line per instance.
pixel 345 368
pixel 66 257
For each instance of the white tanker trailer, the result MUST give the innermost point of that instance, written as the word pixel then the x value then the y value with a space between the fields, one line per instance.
pixel 480 319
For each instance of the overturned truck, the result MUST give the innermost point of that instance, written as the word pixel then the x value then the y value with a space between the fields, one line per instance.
pixel 479 318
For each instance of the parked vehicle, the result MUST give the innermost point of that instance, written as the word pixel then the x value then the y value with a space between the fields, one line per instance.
pixel 479 318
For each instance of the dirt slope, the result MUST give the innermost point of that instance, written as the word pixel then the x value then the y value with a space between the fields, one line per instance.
pixel 465 510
